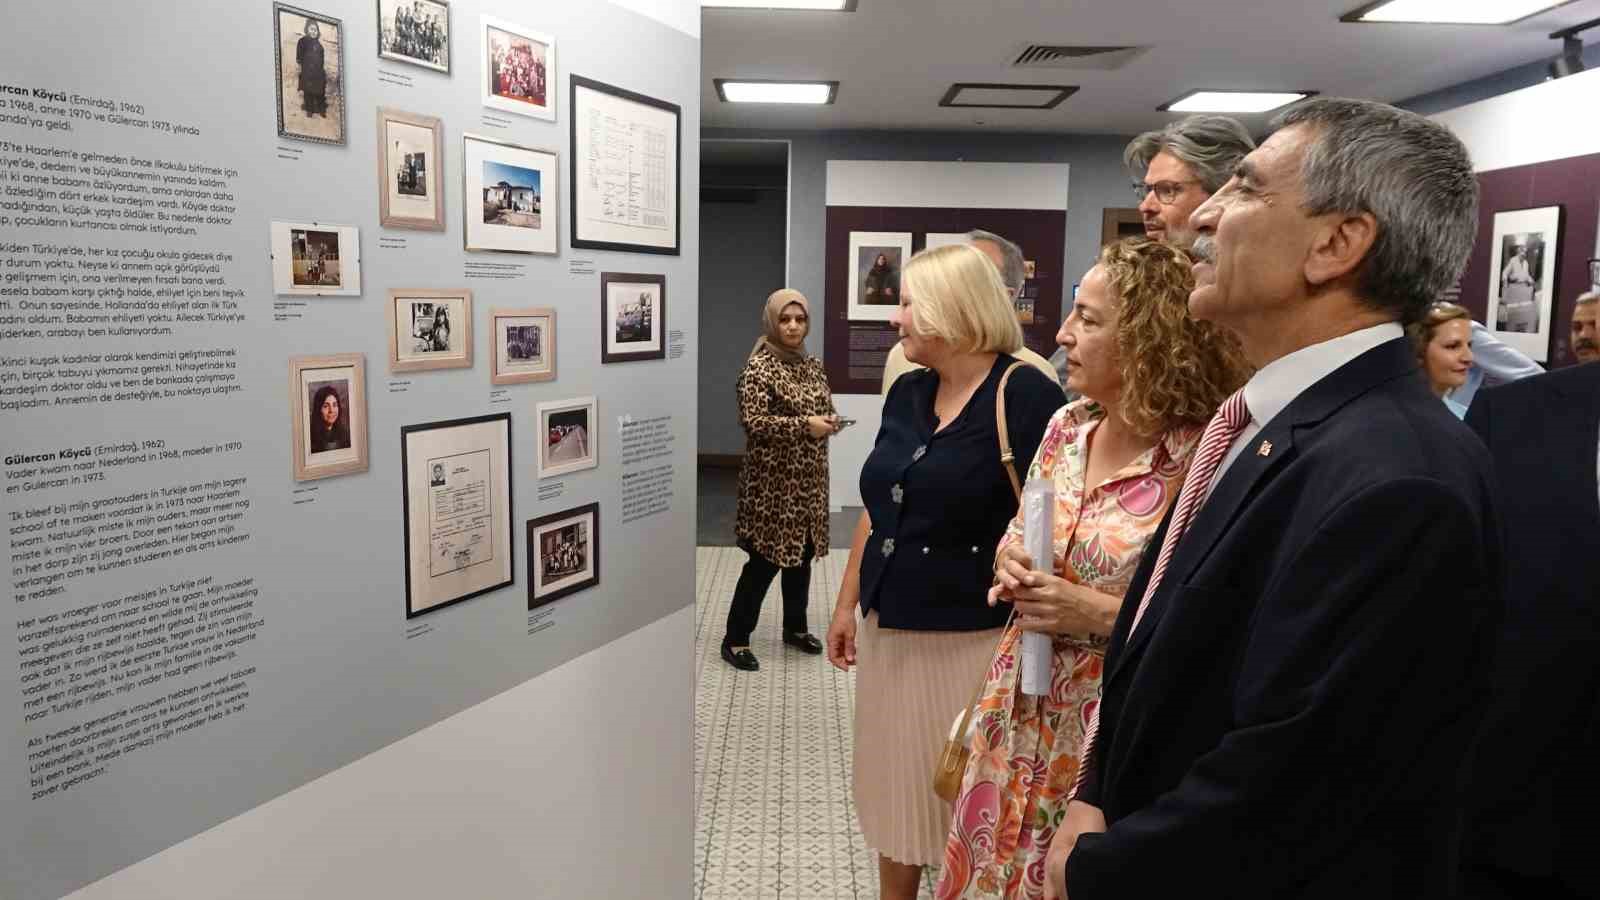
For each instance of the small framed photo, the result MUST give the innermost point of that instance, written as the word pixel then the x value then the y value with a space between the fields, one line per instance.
pixel 309 49
pixel 430 330
pixel 519 69
pixel 415 32
pixel 511 196
pixel 563 554
pixel 1522 278
pixel 410 171
pixel 633 315
pixel 568 437
pixel 455 500
pixel 328 415
pixel 524 345
pixel 313 259
pixel 876 258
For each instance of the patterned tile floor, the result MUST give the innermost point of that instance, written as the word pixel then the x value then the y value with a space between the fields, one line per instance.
pixel 772 750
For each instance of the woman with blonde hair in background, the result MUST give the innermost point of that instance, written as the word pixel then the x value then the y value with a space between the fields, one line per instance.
pixel 938 491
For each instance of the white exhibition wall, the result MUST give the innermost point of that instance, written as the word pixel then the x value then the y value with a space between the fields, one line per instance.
pixel 1552 120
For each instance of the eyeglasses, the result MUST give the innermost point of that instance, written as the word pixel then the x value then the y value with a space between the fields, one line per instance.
pixel 1166 191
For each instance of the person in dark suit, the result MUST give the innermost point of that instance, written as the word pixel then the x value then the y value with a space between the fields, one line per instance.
pixel 1536 781
pixel 1288 704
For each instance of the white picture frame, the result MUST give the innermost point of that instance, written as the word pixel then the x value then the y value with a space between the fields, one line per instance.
pixel 1522 290
pixel 944 239
pixel 510 197
pixel 315 259
pixel 559 447
pixel 875 296
pixel 511 93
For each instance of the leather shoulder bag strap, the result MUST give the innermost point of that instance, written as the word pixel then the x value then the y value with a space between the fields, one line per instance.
pixel 1006 456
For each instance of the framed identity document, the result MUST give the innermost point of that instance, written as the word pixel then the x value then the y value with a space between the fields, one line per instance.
pixel 328 415
pixel 625 169
pixel 563 554
pixel 456 504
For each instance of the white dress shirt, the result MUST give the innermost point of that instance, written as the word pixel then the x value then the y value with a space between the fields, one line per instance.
pixel 1273 388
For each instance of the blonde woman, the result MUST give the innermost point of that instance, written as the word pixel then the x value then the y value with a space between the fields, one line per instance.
pixel 1443 341
pixel 937 498
pixel 1150 378
pixel 782 521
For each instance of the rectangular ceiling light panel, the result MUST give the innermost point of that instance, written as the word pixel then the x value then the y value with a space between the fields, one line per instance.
pixel 1233 101
pixel 1451 12
pixel 826 5
pixel 1007 96
pixel 806 92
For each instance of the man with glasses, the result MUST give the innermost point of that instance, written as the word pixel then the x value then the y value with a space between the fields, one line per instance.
pixel 1183 165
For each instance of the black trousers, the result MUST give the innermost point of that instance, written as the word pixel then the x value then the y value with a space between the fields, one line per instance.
pixel 1487 883
pixel 751 590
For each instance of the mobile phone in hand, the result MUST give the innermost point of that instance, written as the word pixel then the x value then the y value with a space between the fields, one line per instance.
pixel 845 422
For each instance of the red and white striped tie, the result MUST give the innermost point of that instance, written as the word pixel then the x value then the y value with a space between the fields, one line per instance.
pixel 1219 435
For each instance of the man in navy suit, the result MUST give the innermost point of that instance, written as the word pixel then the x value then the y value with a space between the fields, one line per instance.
pixel 1297 675
pixel 1537 777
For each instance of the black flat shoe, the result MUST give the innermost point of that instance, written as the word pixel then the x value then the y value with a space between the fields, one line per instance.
pixel 804 641
pixel 743 660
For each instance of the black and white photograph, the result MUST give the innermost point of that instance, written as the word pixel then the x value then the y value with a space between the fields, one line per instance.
pixel 315 259
pixel 328 413
pixel 438 475
pixel 567 436
pixel 876 258
pixel 415 32
pixel 310 75
pixel 524 345
pixel 455 478
pixel 519 69
pixel 632 316
pixel 430 329
pixel 1523 265
pixel 511 196
pixel 410 171
pixel 563 554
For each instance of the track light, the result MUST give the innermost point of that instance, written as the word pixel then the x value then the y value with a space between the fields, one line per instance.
pixel 1570 62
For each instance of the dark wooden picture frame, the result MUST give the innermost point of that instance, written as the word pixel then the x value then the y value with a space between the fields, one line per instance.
pixel 609 323
pixel 574 113
pixel 536 599
pixel 406 431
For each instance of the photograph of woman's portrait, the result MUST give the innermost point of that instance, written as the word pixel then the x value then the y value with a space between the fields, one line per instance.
pixel 310 70
pixel 328 405
pixel 330 422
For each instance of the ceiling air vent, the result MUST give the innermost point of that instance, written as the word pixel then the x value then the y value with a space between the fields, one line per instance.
pixel 1063 56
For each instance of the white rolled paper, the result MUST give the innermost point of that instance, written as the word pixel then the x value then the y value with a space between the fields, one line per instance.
pixel 1038 530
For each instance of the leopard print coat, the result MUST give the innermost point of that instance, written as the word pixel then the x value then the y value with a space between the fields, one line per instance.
pixel 783 484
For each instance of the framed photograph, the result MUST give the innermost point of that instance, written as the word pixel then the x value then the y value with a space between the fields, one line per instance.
pixel 410 171
pixel 313 259
pixel 456 505
pixel 567 433
pixel 876 258
pixel 328 415
pixel 625 170
pixel 563 554
pixel 1522 276
pixel 430 330
pixel 415 32
pixel 519 69
pixel 309 48
pixel 511 196
pixel 943 239
pixel 524 345
pixel 633 316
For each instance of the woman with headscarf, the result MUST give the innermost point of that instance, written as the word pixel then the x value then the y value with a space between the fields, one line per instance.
pixel 787 413
pixel 313 72
pixel 330 427
pixel 883 281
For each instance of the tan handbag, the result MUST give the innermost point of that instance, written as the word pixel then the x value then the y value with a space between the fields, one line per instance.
pixel 952 764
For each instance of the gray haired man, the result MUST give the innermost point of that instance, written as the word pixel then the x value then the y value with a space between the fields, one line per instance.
pixel 1183 164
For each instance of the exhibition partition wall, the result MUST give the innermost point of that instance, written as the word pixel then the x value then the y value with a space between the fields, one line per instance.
pixel 347 369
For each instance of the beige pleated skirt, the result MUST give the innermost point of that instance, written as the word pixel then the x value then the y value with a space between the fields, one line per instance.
pixel 909 687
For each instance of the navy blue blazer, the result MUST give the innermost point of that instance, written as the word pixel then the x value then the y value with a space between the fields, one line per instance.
pixel 1293 715
pixel 940 502
pixel 1537 780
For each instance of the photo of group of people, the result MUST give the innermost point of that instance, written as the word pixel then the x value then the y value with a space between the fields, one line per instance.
pixel 415 31
pixel 563 553
pixel 524 345
pixel 315 258
pixel 516 67
pixel 411 175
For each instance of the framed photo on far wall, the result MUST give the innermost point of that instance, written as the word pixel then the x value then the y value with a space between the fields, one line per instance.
pixel 633 317
pixel 519 69
pixel 430 330
pixel 328 415
pixel 309 51
pixel 510 195
pixel 524 345
pixel 415 32
pixel 563 554
pixel 567 433
pixel 876 258
pixel 410 171
pixel 625 169
pixel 455 501
pixel 313 259
pixel 1522 278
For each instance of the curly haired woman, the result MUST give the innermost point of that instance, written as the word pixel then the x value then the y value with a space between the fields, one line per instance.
pixel 1151 377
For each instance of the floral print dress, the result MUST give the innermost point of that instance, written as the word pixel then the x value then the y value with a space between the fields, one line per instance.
pixel 1025 749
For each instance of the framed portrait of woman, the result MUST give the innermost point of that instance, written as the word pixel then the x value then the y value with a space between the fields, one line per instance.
pixel 524 345
pixel 430 329
pixel 309 52
pixel 328 415
pixel 410 171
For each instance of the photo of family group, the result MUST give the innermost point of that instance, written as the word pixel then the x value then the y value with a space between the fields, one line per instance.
pixel 524 345
pixel 518 68
pixel 563 554
pixel 415 32
pixel 315 256
pixel 315 259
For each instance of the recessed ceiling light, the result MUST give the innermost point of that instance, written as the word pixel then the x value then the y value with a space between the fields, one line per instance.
pixel 755 90
pixel 1233 101
pixel 1007 96
pixel 825 5
pixel 1451 12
